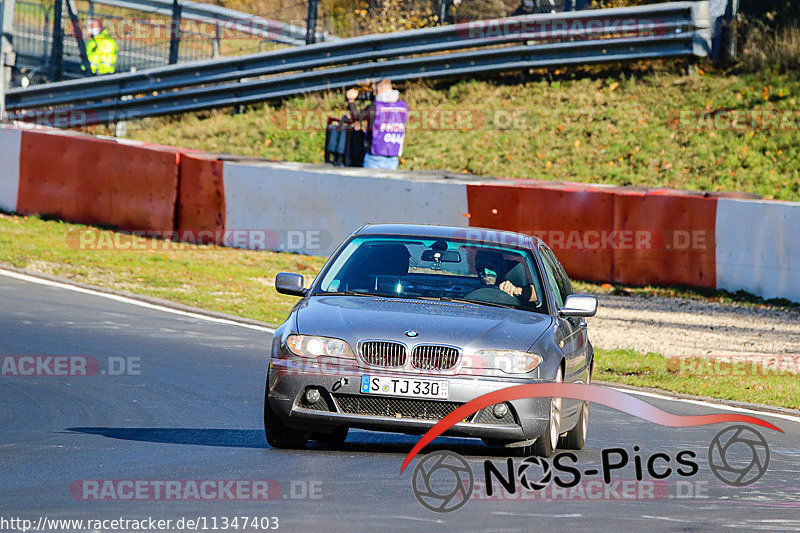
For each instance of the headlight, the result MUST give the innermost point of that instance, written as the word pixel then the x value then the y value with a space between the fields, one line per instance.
pixel 311 346
pixel 509 361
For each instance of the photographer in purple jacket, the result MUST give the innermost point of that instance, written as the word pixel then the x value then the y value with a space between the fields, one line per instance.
pixel 386 118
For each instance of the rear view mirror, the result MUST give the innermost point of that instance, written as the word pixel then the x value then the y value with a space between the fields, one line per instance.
pixel 446 256
pixel 289 283
pixel 579 305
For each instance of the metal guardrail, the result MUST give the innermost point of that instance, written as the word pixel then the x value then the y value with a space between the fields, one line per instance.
pixel 656 31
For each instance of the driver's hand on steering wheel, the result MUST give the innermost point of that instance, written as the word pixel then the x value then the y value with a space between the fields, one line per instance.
pixel 526 294
pixel 510 288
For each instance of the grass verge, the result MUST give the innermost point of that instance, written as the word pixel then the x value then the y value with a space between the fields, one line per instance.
pixel 241 282
pixel 743 382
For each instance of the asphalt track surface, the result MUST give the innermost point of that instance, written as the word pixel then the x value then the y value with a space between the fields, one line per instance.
pixel 194 412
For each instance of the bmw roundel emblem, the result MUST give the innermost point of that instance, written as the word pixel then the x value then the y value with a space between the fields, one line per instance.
pixel 411 333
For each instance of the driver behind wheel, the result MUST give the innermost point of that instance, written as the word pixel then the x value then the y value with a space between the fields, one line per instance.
pixel 517 284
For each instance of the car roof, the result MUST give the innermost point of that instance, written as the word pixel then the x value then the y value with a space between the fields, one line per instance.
pixel 486 235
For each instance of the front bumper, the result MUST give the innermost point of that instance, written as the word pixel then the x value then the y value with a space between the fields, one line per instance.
pixel 343 404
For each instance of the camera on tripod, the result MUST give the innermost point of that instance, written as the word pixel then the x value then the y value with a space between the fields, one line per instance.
pixel 344 138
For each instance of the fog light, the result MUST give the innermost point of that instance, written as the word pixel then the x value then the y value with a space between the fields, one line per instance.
pixel 500 410
pixel 312 396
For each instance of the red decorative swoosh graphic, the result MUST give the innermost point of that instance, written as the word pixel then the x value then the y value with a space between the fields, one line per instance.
pixel 590 393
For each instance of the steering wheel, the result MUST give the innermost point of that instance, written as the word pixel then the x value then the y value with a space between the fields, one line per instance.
pixel 492 295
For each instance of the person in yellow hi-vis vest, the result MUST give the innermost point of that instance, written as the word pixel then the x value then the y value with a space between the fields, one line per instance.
pixel 101 49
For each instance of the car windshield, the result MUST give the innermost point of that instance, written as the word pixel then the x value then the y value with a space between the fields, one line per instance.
pixel 440 269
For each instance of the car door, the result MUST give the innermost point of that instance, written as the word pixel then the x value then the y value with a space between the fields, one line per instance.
pixel 570 331
pixel 578 353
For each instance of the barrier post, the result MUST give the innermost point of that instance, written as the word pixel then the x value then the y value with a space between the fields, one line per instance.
pixel 6 51
pixel 175 32
pixel 311 22
pixel 444 11
pixel 728 43
pixel 76 28
pixel 57 52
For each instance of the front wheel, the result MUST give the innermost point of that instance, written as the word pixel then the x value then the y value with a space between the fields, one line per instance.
pixel 545 446
pixel 279 435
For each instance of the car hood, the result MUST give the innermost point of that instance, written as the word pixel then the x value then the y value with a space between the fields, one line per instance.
pixel 472 327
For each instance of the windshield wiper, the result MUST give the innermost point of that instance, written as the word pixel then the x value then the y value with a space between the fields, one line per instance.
pixel 480 302
pixel 356 293
pixel 410 297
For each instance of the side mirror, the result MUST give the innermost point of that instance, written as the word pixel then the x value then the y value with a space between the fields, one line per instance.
pixel 289 283
pixel 579 305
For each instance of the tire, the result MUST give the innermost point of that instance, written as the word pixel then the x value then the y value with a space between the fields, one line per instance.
pixel 546 445
pixel 575 439
pixel 279 435
pixel 338 436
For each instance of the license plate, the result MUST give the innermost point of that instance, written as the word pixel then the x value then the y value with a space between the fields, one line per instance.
pixel 413 388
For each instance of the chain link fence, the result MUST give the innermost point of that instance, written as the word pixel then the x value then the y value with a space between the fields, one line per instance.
pixel 143 39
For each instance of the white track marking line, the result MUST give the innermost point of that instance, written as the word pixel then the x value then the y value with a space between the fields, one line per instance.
pixel 722 407
pixel 124 299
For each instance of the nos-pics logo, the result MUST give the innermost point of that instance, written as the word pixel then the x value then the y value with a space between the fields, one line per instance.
pixel 443 481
